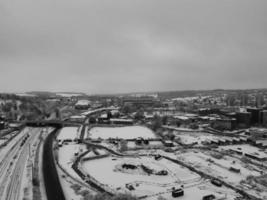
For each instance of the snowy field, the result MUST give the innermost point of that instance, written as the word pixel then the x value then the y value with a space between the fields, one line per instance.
pixel 69 133
pixel 68 94
pixel 127 132
pixel 198 137
pixel 220 168
pixel 105 170
pixel 66 157
pixel 189 138
pixel 67 184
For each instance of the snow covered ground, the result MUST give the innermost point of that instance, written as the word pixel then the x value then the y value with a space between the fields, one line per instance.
pixel 127 132
pixel 66 157
pixel 68 94
pixel 72 190
pixel 198 191
pixel 69 133
pixel 220 168
pixel 189 138
pixel 105 170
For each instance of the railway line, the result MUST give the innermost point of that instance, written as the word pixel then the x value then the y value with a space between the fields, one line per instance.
pixel 13 166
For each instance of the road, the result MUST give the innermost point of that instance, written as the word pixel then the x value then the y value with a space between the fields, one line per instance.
pixel 17 162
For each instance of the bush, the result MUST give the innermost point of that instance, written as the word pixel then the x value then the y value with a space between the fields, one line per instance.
pixel 35 182
pixel 156 123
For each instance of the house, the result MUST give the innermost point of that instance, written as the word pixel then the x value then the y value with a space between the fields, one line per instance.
pixel 129 166
pixel 168 143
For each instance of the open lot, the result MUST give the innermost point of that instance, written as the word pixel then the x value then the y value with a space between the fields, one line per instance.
pixel 69 133
pixel 197 137
pixel 189 138
pixel 247 149
pixel 108 171
pixel 127 132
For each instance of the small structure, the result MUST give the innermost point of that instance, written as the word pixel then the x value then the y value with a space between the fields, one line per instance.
pixel 121 121
pixel 129 166
pixel 208 197
pixel 146 169
pixel 162 173
pixel 168 143
pixel 99 140
pixel 129 187
pixel 233 169
pixel 158 157
pixel 146 142
pixel 177 192
pixel 138 141
pixel 216 182
pixel 77 118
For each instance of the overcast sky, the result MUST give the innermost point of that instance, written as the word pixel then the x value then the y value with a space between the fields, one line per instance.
pixel 110 46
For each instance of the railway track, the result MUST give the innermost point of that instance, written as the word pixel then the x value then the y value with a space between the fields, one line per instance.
pixel 12 177
pixel 7 164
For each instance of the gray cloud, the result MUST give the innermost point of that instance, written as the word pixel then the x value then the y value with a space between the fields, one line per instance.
pixel 124 45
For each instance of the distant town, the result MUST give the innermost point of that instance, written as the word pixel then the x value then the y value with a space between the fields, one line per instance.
pixel 186 145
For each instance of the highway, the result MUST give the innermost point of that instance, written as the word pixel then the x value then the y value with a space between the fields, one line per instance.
pixel 17 159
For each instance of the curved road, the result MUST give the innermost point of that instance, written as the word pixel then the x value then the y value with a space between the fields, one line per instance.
pixel 51 179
